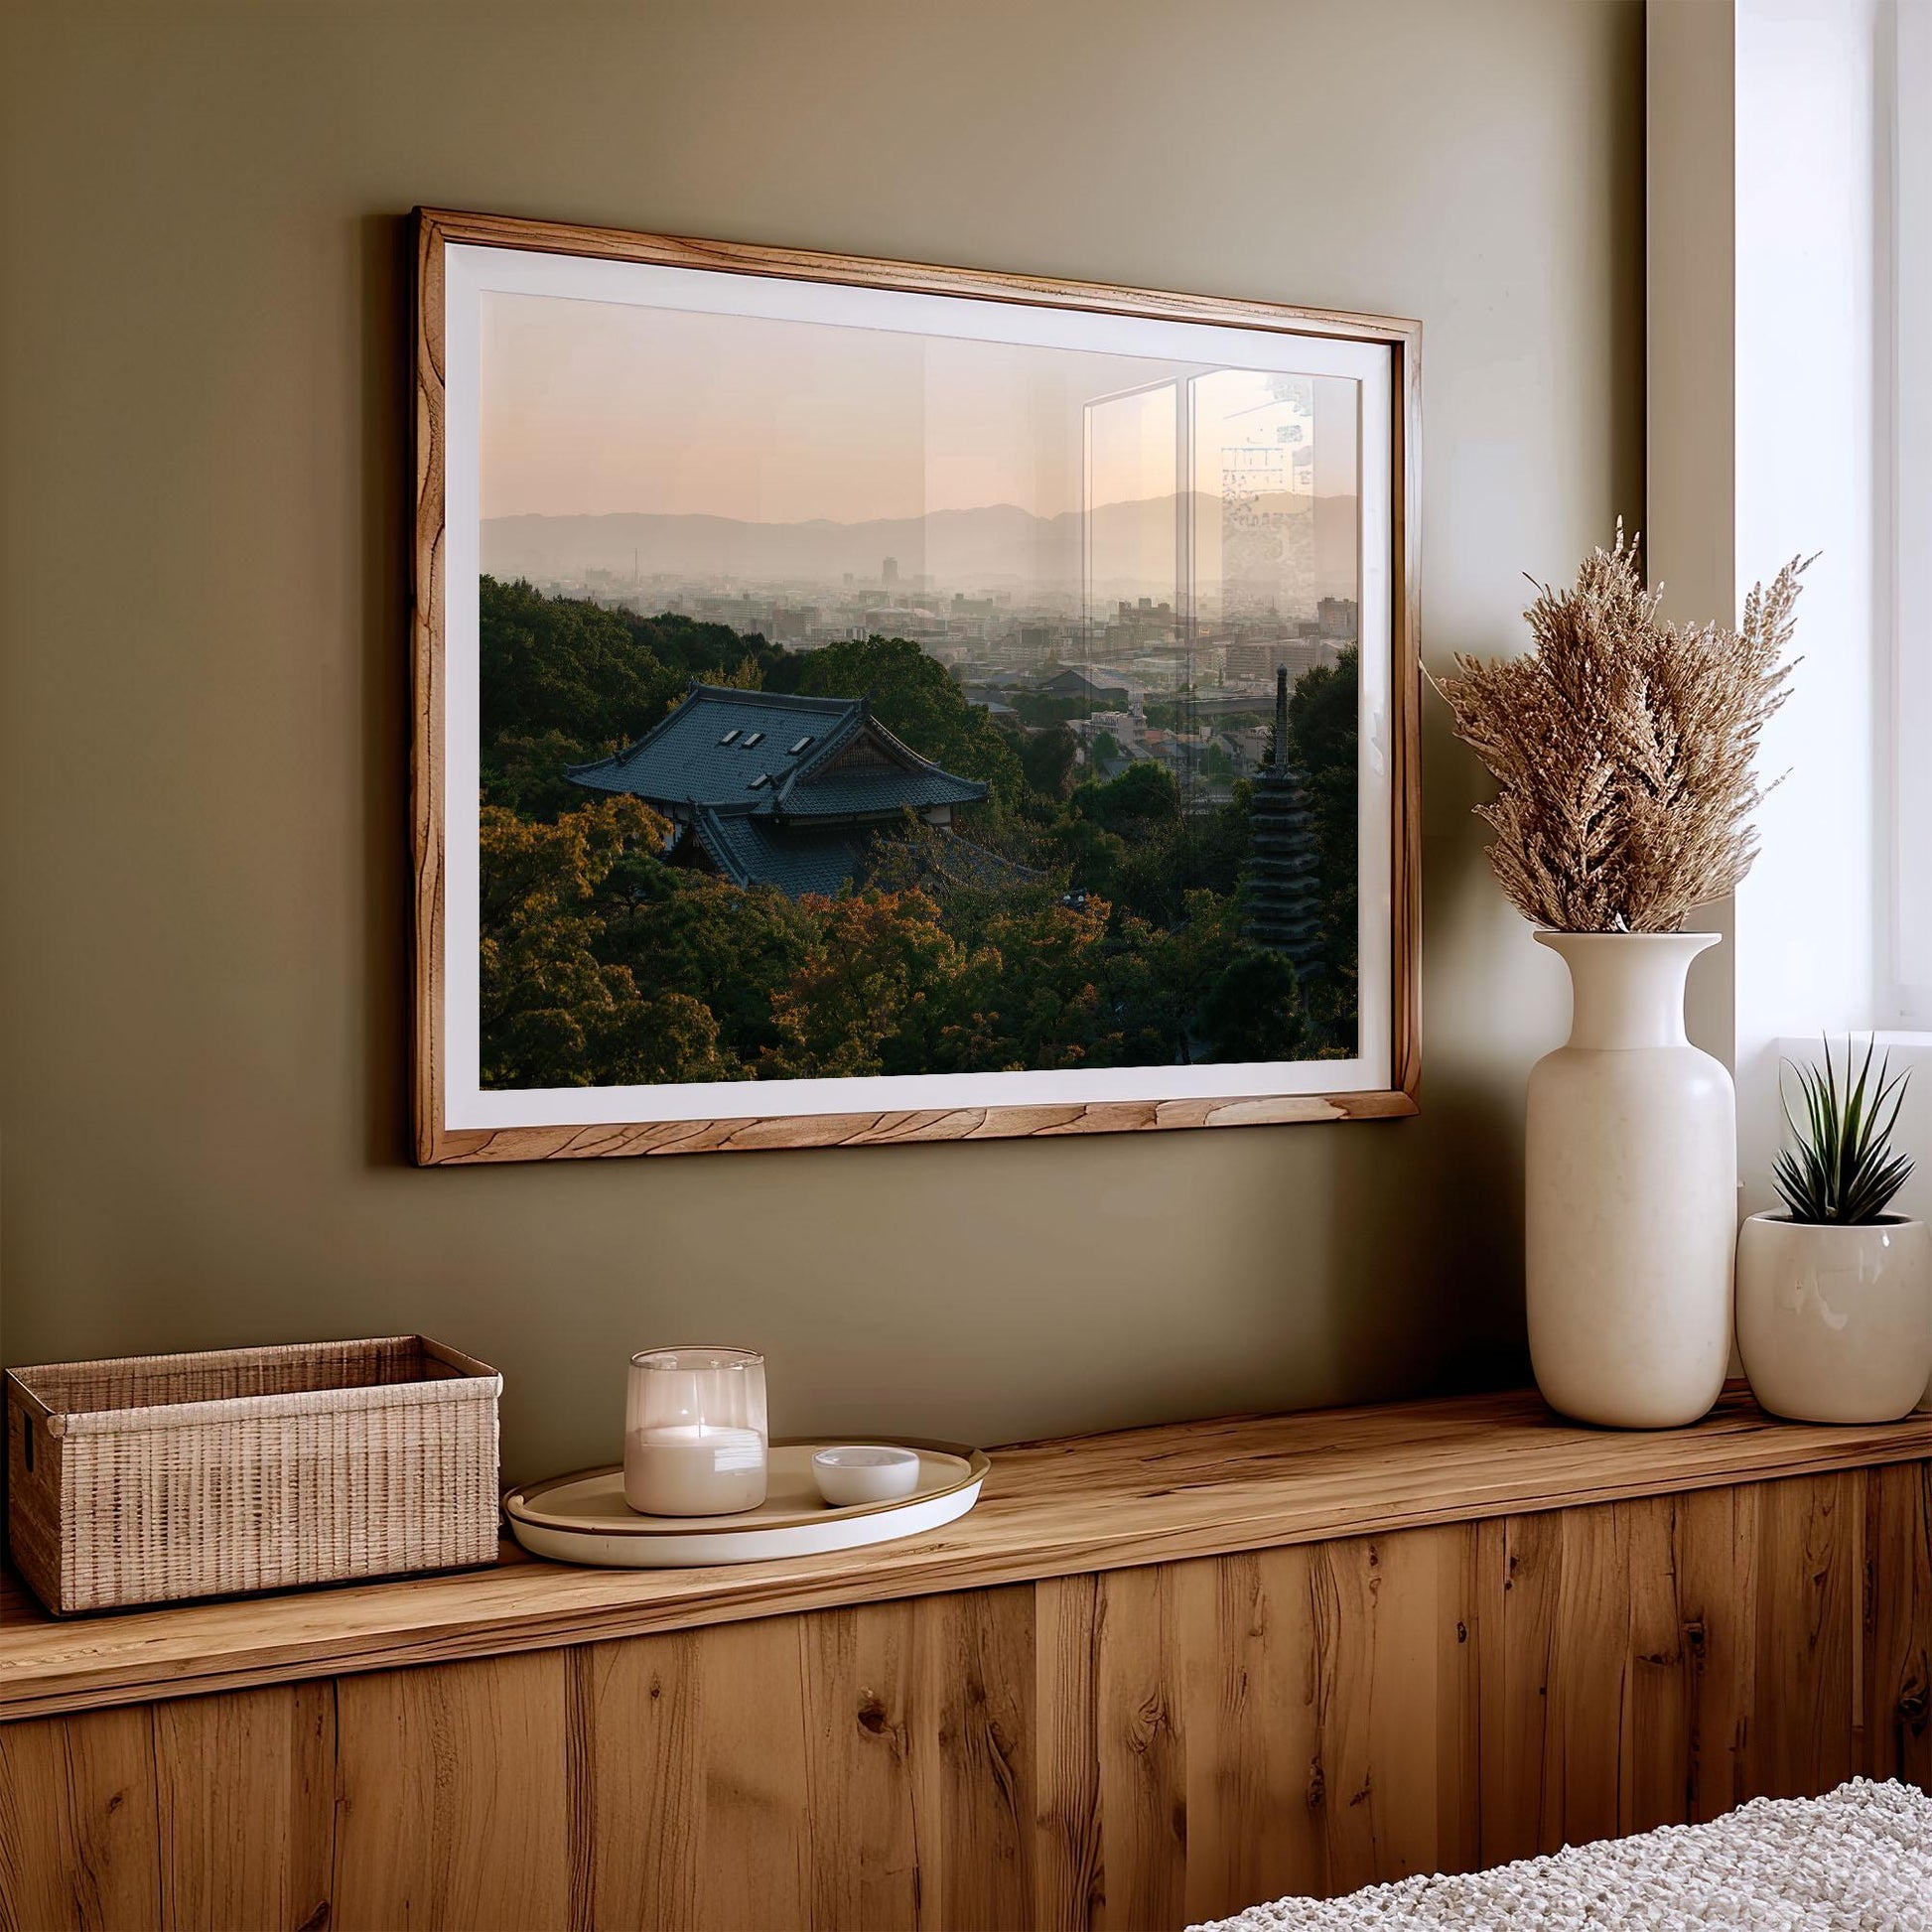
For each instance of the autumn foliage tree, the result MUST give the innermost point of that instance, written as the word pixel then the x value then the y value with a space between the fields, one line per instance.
pixel 867 995
pixel 554 1011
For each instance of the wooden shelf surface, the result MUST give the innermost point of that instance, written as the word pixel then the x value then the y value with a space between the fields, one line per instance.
pixel 1049 1509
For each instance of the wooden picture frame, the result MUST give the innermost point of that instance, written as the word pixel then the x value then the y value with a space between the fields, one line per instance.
pixel 442 1140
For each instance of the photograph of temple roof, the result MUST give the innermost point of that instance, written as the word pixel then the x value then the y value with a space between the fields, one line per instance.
pixel 779 791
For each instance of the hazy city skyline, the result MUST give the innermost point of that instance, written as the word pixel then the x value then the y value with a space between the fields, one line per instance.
pixel 999 545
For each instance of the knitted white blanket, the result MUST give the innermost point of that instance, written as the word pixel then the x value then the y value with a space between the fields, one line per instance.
pixel 1859 1860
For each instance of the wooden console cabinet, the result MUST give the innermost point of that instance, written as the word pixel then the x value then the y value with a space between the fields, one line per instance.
pixel 1154 1677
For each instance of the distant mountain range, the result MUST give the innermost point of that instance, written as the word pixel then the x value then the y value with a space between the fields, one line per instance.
pixel 1000 544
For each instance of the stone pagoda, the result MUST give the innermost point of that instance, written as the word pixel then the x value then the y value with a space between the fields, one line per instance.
pixel 1281 881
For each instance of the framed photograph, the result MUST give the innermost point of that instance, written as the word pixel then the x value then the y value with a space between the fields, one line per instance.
pixel 861 702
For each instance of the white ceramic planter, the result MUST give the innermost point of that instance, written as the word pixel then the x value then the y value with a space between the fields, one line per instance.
pixel 1630 1203
pixel 1835 1323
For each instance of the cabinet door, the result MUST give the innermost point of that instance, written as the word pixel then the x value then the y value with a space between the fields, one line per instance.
pixel 870 1767
pixel 78 1823
pixel 457 1794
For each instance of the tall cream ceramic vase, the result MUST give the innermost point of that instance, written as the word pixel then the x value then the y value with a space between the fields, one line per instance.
pixel 1631 1197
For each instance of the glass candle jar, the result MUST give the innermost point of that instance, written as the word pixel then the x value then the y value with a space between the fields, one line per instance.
pixel 694 1432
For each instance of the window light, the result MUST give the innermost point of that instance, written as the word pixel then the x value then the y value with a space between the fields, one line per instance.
pixel 729 735
pixel 799 746
pixel 753 738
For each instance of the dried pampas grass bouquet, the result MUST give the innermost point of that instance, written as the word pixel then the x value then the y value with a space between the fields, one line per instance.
pixel 1623 747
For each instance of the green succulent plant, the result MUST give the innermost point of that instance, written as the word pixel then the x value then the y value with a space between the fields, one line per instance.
pixel 1842 1169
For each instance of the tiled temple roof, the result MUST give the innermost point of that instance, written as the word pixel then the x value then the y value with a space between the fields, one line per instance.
pixel 782 791
pixel 750 850
pixel 781 757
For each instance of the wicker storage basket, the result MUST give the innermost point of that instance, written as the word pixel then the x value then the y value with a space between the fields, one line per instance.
pixel 163 1477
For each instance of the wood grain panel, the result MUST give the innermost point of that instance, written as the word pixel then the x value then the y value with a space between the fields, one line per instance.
pixel 1255 1787
pixel 1717 1597
pixel 864 1768
pixel 919 1735
pixel 1069 1886
pixel 1806 1731
pixel 871 1774
pixel 1589 1674
pixel 1400 864
pixel 1049 1509
pixel 1898 1677
pixel 246 1800
pixel 1140 1750
pixel 612 1140
pixel 1661 1661
pixel 697 1751
pixel 454 1796
pixel 1391 1662
pixel 980 1675
pixel 1518 1570
pixel 78 1833
pixel 1220 1732
pixel 1654 1784
pixel 1588 1679
pixel 1459 1708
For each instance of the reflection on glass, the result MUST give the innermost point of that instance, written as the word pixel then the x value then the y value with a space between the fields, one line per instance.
pixel 1123 564
pixel 1132 501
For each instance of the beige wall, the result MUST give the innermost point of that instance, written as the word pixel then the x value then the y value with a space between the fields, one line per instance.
pixel 205 593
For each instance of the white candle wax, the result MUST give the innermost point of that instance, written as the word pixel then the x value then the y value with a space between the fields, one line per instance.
pixel 693 1470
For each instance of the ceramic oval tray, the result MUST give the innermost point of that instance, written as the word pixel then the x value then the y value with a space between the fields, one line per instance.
pixel 583 1518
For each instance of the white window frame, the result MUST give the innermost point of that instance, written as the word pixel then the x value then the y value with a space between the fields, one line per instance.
pixel 1905 993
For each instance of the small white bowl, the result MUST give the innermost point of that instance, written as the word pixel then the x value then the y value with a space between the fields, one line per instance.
pixel 864 1472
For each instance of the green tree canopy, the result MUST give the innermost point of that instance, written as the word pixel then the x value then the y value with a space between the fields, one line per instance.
pixel 1253 1011
pixel 1323 738
pixel 914 697
pixel 1143 797
pixel 730 950
pixel 559 664
pixel 562 680
pixel 1048 757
